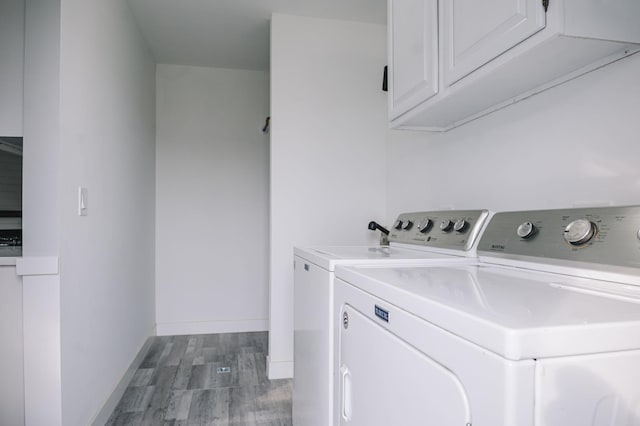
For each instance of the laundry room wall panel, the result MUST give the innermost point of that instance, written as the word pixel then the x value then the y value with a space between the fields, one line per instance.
pixel 11 66
pixel 212 200
pixel 328 168
pixel 40 215
pixel 12 383
pixel 573 145
pixel 107 144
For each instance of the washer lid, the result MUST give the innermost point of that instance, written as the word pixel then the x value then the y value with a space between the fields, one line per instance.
pixel 515 313
pixel 329 257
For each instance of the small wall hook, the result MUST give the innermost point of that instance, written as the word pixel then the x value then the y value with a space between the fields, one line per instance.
pixel 265 129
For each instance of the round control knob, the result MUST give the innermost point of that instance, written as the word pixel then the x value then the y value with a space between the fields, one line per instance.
pixel 398 224
pixel 407 225
pixel 579 232
pixel 460 225
pixel 639 234
pixel 526 230
pixel 425 225
pixel 446 225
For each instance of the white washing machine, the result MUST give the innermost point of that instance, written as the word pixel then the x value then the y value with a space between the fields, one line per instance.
pixel 416 238
pixel 544 331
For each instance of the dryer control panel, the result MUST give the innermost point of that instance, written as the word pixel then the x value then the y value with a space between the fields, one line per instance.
pixel 451 229
pixel 592 236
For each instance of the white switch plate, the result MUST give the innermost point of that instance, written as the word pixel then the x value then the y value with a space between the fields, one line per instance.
pixel 82 201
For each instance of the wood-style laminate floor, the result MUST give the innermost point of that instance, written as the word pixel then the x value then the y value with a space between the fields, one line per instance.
pixel 184 380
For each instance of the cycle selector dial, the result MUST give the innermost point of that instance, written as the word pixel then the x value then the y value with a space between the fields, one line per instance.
pixel 526 230
pixel 398 224
pixel 579 232
pixel 460 225
pixel 407 225
pixel 446 225
pixel 424 225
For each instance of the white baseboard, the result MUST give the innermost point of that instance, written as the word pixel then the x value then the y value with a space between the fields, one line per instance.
pixel 103 415
pixel 279 369
pixel 211 327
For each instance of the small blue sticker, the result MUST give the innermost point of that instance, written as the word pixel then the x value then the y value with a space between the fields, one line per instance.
pixel 381 313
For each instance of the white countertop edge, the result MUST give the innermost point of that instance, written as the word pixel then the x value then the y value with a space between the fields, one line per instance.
pixel 8 261
pixel 37 265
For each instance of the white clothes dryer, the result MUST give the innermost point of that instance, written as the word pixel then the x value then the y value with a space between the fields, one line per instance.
pixel 543 331
pixel 439 237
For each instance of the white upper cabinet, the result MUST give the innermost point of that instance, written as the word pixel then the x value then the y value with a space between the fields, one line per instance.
pixel 11 66
pixel 475 32
pixel 413 74
pixel 493 53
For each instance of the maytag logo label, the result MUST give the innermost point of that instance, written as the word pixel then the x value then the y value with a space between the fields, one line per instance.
pixel 497 247
pixel 381 313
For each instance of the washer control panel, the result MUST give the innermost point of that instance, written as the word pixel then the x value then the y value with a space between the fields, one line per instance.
pixel 450 229
pixel 600 235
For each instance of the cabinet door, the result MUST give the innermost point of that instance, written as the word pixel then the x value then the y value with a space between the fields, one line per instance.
pixel 413 53
pixel 475 32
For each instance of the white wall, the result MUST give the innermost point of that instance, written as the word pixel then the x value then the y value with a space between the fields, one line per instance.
pixel 11 384
pixel 41 128
pixel 107 144
pixel 575 145
pixel 212 200
pixel 327 150
pixel 11 104
pixel 40 219
pixel 11 66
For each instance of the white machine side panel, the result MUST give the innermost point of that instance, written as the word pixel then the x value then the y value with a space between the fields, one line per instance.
pixel 383 381
pixel 313 343
pixel 498 391
pixel 593 390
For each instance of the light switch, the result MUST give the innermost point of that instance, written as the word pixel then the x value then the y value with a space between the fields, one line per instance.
pixel 82 201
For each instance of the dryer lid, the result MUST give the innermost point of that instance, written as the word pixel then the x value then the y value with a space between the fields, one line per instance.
pixel 518 314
